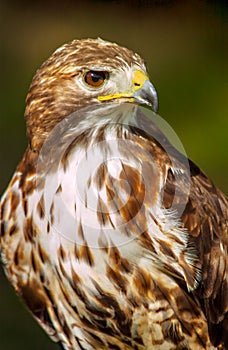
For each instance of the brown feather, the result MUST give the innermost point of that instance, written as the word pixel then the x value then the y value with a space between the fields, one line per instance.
pixel 165 284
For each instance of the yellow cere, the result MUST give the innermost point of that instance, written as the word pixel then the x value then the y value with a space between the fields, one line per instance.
pixel 139 79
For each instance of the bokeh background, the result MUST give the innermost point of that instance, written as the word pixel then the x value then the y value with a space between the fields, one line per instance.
pixel 183 43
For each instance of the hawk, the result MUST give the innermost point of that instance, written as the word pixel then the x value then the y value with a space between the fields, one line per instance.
pixel 111 236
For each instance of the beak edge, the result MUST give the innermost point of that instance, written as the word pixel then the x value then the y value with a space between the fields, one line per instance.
pixel 147 95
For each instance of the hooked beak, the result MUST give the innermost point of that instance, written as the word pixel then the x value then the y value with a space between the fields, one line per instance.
pixel 144 92
pixel 147 95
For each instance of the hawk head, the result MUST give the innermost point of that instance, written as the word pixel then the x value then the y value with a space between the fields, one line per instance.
pixel 82 73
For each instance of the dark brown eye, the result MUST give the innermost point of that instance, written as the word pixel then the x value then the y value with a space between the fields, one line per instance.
pixel 95 78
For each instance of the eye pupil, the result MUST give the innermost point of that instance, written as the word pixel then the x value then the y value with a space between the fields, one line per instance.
pixel 95 78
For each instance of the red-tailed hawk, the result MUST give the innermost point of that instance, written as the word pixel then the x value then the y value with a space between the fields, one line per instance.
pixel 112 237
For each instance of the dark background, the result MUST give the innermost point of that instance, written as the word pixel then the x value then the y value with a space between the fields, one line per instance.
pixel 183 43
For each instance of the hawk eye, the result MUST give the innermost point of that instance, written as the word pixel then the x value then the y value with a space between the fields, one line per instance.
pixel 95 78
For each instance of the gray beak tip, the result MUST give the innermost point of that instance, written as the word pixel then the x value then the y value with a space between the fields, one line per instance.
pixel 147 95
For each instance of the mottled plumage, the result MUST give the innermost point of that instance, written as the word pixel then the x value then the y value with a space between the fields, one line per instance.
pixel 112 238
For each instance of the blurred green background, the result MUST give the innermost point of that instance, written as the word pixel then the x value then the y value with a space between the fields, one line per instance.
pixel 183 43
